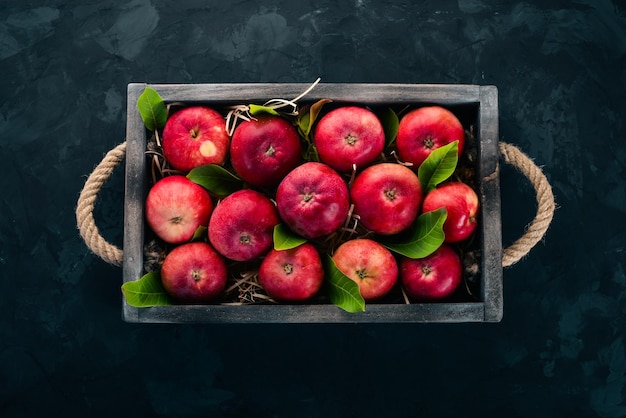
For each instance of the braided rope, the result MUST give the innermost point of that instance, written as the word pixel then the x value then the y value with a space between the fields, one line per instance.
pixel 511 255
pixel 545 204
pixel 86 203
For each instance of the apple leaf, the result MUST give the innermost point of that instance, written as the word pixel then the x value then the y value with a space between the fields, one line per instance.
pixel 311 154
pixel 343 292
pixel 426 236
pixel 145 292
pixel 307 118
pixel 285 238
pixel 390 123
pixel 216 179
pixel 152 109
pixel 257 110
pixel 200 233
pixel 439 166
pixel 315 110
pixel 304 122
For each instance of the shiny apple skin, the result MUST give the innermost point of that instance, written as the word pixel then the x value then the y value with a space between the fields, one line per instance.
pixel 347 136
pixel 313 200
pixel 433 277
pixel 194 273
pixel 242 225
pixel 425 129
pixel 462 205
pixel 195 136
pixel 175 208
pixel 386 197
pixel 292 275
pixel 263 150
pixel 368 264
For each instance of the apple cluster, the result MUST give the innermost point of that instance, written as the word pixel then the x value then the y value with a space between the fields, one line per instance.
pixel 357 188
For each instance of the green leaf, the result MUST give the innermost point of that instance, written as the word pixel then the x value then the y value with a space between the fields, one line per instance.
pixel 257 110
pixel 152 109
pixel 216 179
pixel 304 125
pixel 200 233
pixel 343 292
pixel 426 236
pixel 285 238
pixel 439 166
pixel 147 291
pixel 311 154
pixel 307 118
pixel 314 112
pixel 390 123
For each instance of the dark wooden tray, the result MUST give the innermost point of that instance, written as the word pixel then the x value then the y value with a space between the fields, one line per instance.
pixel 478 104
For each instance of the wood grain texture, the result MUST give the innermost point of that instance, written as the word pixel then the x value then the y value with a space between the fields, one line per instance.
pixel 483 98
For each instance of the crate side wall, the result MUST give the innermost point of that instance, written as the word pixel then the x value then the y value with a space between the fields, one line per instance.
pixel 446 95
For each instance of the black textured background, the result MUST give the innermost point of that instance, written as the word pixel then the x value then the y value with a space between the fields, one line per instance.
pixel 560 67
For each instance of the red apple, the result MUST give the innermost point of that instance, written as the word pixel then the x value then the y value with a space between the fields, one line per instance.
pixel 264 150
pixel 386 197
pixel 425 129
pixel 195 136
pixel 176 207
pixel 433 277
pixel 242 225
pixel 349 135
pixel 461 202
pixel 313 200
pixel 292 275
pixel 369 264
pixel 194 273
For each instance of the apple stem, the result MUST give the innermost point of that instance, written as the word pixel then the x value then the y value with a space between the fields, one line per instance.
pixel 390 193
pixel 361 273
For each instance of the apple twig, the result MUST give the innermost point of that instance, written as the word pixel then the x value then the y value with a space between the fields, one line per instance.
pixel 242 112
pixel 157 138
pixel 352 176
pixel 345 233
pixel 404 296
pixel 237 112
pixel 248 289
pixel 399 161
pixel 280 103
pixel 307 91
pixel 154 254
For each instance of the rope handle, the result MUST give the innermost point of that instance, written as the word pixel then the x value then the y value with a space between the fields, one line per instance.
pixel 545 204
pixel 511 255
pixel 87 201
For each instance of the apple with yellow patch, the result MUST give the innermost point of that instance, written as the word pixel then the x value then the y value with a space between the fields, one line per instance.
pixel 195 136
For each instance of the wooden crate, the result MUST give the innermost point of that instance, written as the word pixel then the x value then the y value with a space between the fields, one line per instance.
pixel 478 104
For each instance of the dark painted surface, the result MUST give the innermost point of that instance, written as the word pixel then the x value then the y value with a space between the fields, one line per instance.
pixel 561 72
